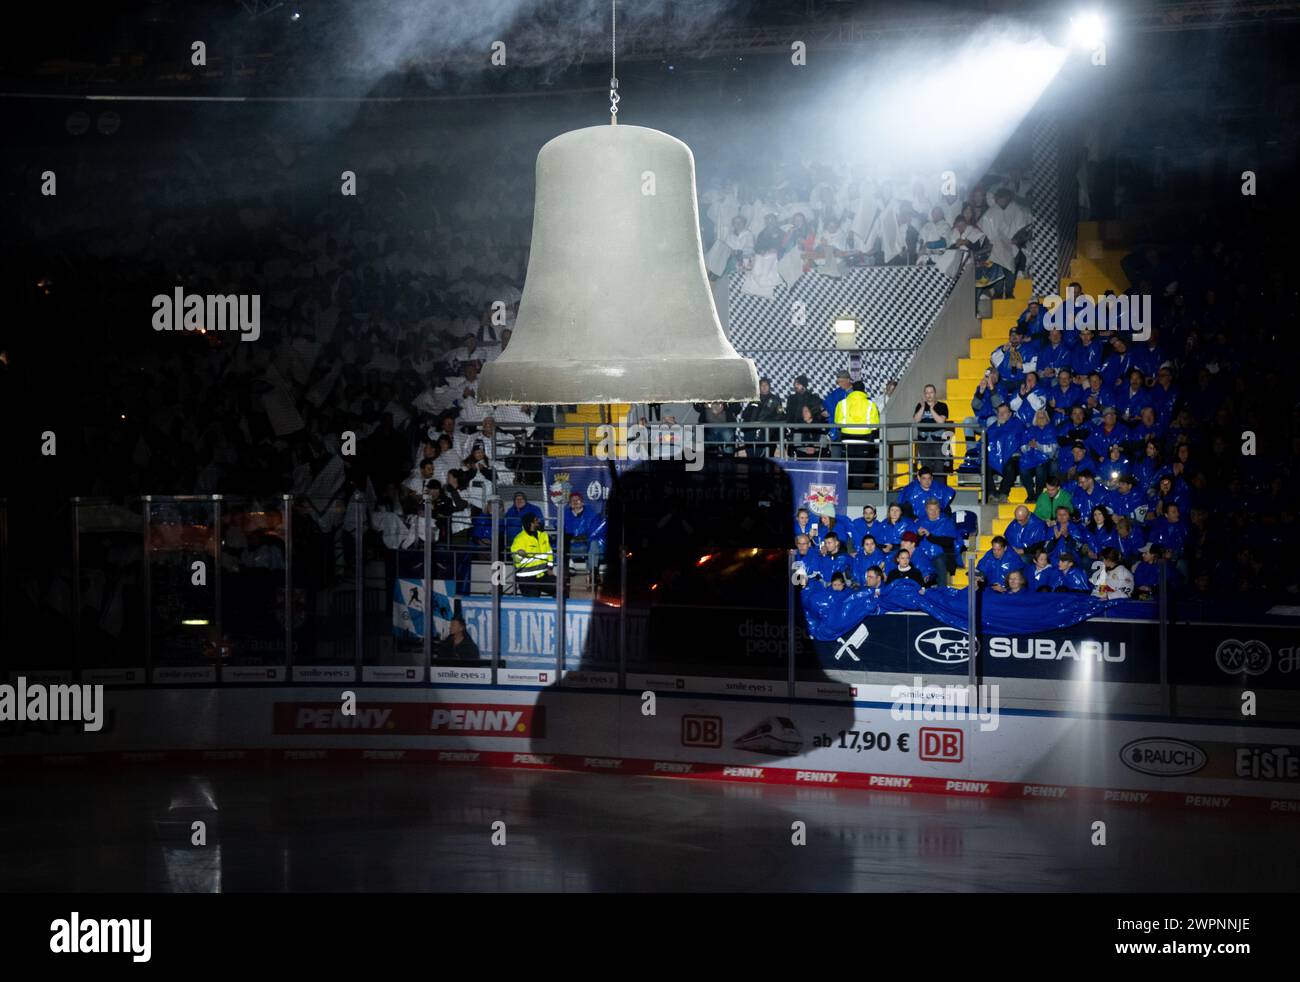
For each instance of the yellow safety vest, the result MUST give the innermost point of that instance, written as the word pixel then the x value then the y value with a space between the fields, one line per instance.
pixel 857 407
pixel 537 553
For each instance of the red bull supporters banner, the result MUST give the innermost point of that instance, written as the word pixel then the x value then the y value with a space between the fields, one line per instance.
pixel 819 485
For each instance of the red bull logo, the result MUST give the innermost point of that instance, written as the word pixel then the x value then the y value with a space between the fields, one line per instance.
pixel 821 495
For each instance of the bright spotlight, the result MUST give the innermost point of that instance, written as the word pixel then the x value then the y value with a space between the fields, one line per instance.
pixel 1088 30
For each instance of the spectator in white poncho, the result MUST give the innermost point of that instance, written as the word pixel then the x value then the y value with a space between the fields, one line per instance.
pixel 1006 224
pixel 935 233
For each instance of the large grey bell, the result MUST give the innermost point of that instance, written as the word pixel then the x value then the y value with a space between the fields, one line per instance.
pixel 616 305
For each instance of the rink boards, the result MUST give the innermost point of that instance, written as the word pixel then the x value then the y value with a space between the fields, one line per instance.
pixel 861 743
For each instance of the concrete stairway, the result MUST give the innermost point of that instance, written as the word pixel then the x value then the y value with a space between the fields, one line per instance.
pixel 1096 268
pixel 568 438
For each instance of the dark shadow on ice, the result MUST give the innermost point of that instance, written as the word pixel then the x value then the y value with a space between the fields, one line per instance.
pixel 703 594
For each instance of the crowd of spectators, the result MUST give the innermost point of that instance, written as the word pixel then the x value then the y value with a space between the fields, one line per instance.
pixel 364 379
pixel 823 218
pixel 379 332
pixel 1172 441
pixel 373 327
pixel 1177 441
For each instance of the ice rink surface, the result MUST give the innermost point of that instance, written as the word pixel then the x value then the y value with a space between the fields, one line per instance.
pixel 410 827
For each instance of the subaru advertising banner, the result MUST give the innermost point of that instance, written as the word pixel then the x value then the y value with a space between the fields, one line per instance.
pixel 1101 649
pixel 917 644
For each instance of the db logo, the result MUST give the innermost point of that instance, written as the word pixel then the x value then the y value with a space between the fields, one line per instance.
pixel 941 744
pixel 701 731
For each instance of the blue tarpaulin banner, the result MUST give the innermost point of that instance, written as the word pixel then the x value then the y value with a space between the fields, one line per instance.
pixel 830 614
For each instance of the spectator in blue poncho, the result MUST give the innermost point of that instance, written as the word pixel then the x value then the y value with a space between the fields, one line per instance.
pixel 807 558
pixel 1071 579
pixel 1109 434
pixel 868 556
pixel 1169 532
pixel 1129 537
pixel 804 524
pixel 892 529
pixel 937 541
pixel 1099 534
pixel 1025 531
pixel 1065 534
pixel 1038 454
pixel 834 559
pixel 921 489
pixel 1004 440
pixel 1089 495
pixel 1017 584
pixel 583 531
pixel 994 565
pixel 864 526
pixel 1043 576
pixel 514 517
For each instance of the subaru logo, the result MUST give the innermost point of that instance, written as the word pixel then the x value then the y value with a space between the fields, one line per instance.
pixel 946 645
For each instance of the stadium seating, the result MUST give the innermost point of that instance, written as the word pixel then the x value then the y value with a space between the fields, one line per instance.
pixel 1096 268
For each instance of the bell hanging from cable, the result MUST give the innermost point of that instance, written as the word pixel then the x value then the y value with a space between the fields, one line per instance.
pixel 616 305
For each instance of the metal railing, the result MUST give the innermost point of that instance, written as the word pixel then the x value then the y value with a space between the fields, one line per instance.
pixel 225 590
pixel 880 461
pixel 220 589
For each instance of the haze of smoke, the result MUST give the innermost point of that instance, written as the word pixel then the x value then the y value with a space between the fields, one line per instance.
pixel 390 35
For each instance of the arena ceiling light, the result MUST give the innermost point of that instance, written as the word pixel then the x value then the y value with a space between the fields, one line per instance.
pixel 881 99
pixel 1087 30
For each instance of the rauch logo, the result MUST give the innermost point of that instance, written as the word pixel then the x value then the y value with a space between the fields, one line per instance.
pixel 1163 757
